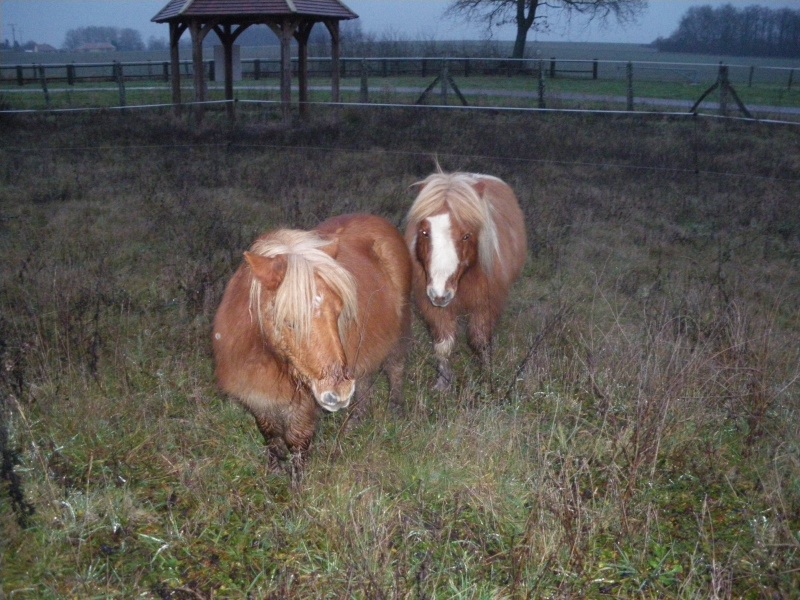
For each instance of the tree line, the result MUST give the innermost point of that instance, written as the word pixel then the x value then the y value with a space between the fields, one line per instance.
pixel 750 31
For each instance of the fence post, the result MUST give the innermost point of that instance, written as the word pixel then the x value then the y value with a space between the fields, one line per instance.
pixel 629 70
pixel 552 67
pixel 723 89
pixel 256 69
pixel 212 72
pixel 364 96
pixel 444 83
pixel 70 74
pixel 466 68
pixel 20 78
pixel 120 81
pixel 43 79
pixel 791 76
pixel 165 69
pixel 750 77
pixel 541 85
pixel 594 68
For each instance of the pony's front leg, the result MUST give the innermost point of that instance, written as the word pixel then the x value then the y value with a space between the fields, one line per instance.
pixel 442 349
pixel 299 435
pixel 480 329
pixel 395 368
pixel 276 447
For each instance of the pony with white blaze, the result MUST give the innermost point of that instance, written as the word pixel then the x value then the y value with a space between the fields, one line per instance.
pixel 306 315
pixel 466 234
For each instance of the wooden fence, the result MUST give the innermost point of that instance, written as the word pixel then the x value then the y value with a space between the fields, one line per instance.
pixel 260 69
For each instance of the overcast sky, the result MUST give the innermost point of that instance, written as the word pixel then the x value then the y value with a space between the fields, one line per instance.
pixel 47 21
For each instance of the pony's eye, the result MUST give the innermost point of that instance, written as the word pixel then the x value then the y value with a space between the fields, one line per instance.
pixel 467 237
pixel 424 232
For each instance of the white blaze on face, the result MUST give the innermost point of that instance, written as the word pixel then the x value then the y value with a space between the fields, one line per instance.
pixel 444 259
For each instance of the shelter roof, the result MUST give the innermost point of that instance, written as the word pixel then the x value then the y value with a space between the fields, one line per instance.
pixel 178 10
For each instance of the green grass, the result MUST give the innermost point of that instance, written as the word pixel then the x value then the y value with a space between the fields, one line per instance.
pixel 636 437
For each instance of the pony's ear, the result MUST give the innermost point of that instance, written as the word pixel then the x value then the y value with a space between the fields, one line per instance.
pixel 269 271
pixel 332 249
pixel 480 187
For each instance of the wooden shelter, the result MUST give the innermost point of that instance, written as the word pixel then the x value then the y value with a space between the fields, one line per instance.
pixel 229 18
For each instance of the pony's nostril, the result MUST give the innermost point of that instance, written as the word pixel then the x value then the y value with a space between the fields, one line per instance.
pixel 330 399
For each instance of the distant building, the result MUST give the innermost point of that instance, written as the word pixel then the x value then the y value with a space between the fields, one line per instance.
pixel 44 48
pixel 96 47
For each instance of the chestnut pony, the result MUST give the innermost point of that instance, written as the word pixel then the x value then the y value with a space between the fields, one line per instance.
pixel 304 317
pixel 467 238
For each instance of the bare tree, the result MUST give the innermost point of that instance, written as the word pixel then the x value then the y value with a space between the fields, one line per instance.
pixel 532 14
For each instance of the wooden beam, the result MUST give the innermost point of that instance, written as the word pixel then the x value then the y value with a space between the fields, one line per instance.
pixel 175 32
pixel 301 35
pixel 333 29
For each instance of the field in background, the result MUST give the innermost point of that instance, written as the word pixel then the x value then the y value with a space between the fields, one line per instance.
pixel 569 76
pixel 637 437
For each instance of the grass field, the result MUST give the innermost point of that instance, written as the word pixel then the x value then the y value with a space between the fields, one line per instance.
pixel 637 437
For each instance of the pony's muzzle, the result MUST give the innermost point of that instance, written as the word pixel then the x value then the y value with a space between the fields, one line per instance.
pixel 440 300
pixel 333 398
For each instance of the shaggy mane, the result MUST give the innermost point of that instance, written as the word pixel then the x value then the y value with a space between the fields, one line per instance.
pixel 294 300
pixel 456 193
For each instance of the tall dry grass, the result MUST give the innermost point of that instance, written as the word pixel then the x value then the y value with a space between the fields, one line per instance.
pixel 636 438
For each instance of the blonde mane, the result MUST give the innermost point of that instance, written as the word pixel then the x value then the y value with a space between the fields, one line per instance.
pixel 295 298
pixel 456 193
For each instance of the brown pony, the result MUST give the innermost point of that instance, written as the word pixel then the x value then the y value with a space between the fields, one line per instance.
pixel 306 315
pixel 468 245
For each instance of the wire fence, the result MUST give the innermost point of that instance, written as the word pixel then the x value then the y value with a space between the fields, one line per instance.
pixel 489 82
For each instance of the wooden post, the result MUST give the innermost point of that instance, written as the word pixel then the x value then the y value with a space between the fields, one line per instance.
pixel 286 31
pixel 302 35
pixel 541 85
pixel 70 74
pixel 364 95
pixel 43 80
pixel 629 70
pixel 337 65
pixel 750 77
pixel 594 68
pixel 444 83
pixel 120 81
pixel 174 35
pixel 20 78
pixel 723 89
pixel 791 77
pixel 227 37
pixel 552 67
pixel 256 69
pixel 165 71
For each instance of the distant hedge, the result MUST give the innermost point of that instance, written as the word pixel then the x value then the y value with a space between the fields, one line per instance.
pixel 750 31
